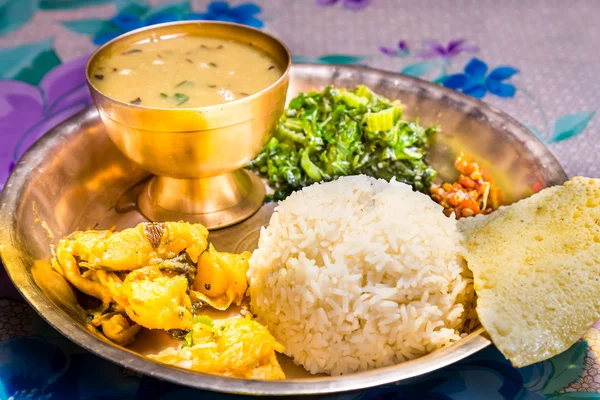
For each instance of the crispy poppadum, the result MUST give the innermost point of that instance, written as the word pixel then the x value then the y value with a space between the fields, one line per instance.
pixel 536 269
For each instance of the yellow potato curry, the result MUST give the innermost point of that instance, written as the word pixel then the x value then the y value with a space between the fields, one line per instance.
pixel 239 347
pixel 160 276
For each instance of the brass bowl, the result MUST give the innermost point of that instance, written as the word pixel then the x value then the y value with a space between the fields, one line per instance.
pixel 55 189
pixel 196 154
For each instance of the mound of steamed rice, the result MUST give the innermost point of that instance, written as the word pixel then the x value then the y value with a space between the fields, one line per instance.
pixel 359 273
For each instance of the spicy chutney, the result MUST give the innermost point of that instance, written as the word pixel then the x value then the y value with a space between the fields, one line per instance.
pixel 185 71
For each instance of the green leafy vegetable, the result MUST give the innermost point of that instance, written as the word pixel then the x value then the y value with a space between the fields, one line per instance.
pixel 380 121
pixel 204 319
pixel 354 101
pixel 337 132
pixel 180 98
pixel 310 168
pixel 188 340
pixel 163 95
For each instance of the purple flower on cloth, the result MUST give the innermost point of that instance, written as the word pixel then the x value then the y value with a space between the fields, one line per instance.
pixel 401 50
pixel 27 111
pixel 434 49
pixel 474 81
pixel 349 4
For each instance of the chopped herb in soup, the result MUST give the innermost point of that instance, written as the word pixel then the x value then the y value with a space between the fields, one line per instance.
pixel 185 71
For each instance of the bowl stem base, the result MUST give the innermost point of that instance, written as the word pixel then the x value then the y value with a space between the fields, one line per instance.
pixel 215 202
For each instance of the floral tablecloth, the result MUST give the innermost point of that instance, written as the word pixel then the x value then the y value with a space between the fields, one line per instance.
pixel 537 60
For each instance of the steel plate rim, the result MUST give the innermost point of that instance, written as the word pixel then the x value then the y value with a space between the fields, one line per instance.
pixel 59 320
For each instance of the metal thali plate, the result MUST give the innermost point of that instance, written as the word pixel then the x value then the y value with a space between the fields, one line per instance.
pixel 75 178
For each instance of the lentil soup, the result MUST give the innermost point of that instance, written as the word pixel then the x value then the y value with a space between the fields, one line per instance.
pixel 184 72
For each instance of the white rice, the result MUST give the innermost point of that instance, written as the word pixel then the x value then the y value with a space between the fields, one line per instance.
pixel 357 274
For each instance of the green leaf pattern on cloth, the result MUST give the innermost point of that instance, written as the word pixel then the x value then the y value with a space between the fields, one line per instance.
pixel 343 59
pixel 14 14
pixel 87 26
pixel 570 125
pixel 418 69
pixel 29 62
pixel 68 4
pixel 553 375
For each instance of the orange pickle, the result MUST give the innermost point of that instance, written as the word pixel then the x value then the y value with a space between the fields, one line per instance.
pixel 474 192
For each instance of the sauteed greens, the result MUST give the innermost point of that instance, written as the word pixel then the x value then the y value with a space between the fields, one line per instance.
pixel 337 132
